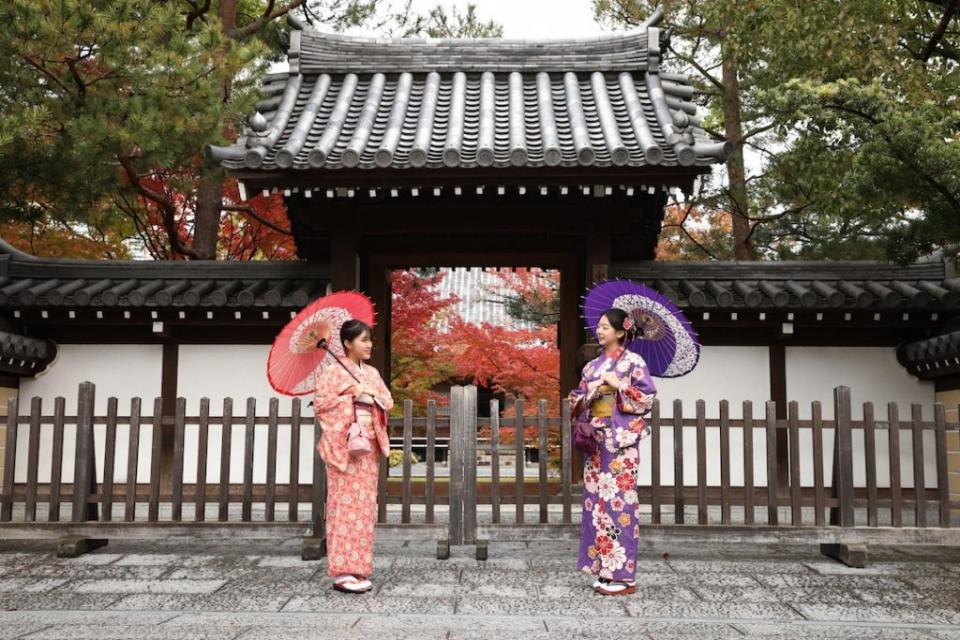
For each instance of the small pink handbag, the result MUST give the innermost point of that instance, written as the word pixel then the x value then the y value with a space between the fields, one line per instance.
pixel 358 441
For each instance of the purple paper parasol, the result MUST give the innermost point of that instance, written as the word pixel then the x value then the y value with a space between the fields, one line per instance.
pixel 667 341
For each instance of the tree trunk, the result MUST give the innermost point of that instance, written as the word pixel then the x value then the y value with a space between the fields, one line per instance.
pixel 736 174
pixel 206 223
pixel 206 229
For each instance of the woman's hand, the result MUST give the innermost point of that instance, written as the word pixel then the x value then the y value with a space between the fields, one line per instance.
pixel 367 389
pixel 611 379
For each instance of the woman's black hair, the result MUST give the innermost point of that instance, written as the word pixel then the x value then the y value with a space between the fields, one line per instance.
pixel 353 329
pixel 616 318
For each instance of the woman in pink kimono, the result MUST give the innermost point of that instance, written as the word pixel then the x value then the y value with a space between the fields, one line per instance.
pixel 352 404
pixel 615 390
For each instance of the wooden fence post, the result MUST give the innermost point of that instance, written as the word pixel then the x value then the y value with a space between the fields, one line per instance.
pixel 84 473
pixel 842 488
pixel 84 479
pixel 469 441
pixel 315 546
pixel 455 461
pixel 10 459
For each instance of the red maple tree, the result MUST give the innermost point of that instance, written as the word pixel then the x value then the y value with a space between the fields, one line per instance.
pixel 431 344
pixel 256 228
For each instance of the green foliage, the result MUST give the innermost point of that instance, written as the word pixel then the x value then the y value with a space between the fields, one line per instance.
pixel 86 84
pixel 852 108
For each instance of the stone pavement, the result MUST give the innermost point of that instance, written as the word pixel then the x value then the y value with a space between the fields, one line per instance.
pixel 261 589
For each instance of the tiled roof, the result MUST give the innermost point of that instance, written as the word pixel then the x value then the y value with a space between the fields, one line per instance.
pixel 932 357
pixel 23 354
pixel 800 285
pixel 369 103
pixel 27 281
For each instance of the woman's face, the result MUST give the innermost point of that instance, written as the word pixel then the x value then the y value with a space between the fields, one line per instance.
pixel 360 347
pixel 606 334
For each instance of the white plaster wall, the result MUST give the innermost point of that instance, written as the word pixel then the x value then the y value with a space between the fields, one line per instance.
pixel 239 372
pixel 121 371
pixel 731 373
pixel 873 375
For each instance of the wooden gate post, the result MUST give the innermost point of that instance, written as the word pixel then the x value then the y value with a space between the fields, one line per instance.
pixel 470 473
pixel 852 554
pixel 314 547
pixel 84 478
pixel 842 488
pixel 455 459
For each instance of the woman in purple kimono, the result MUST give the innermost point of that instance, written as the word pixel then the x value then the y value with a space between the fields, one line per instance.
pixel 615 390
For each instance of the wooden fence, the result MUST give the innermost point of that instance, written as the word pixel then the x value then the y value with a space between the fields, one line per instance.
pixel 459 499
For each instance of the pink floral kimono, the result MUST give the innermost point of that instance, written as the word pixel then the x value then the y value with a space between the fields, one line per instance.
pixel 609 528
pixel 351 482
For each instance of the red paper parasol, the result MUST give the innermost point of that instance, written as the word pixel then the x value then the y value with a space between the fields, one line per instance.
pixel 296 353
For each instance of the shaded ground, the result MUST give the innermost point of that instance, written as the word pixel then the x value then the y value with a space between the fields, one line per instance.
pixel 249 590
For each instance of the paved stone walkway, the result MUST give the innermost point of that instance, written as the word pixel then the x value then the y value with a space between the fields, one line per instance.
pixel 251 590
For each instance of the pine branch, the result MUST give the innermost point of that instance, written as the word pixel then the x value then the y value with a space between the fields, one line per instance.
pixel 941 30
pixel 167 208
pixel 269 14
pixel 245 208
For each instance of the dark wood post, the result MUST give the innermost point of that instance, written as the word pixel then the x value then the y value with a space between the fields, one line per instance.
pixel 842 485
pixel 85 478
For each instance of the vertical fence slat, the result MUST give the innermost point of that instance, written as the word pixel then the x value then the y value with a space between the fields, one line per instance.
pixel 407 452
pixel 10 459
pixel 455 462
pixel 293 506
pixel 431 488
pixel 943 483
pixel 226 439
pixel 870 459
pixel 495 461
pixel 246 509
pixel 179 435
pixel 893 434
pixel 270 496
pixel 566 461
pixel 919 487
pixel 773 488
pixel 56 467
pixel 318 498
pixel 819 495
pixel 203 444
pixel 655 463
pixel 793 426
pixel 470 464
pixel 542 460
pixel 518 452
pixel 701 462
pixel 133 460
pixel 724 462
pixel 678 505
pixel 153 508
pixel 33 459
pixel 84 470
pixel 748 509
pixel 109 460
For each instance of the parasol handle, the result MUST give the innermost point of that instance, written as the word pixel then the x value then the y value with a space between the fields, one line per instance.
pixel 323 345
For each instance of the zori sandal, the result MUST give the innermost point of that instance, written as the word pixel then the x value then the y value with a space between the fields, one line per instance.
pixel 617 588
pixel 350 584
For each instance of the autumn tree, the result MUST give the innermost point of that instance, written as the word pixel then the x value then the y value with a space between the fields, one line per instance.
pixel 692 232
pixel 706 39
pixel 419 355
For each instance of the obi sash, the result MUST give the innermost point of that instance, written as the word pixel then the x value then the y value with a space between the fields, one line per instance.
pixel 602 405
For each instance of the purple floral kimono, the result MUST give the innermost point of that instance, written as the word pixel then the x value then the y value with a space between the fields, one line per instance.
pixel 609 529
